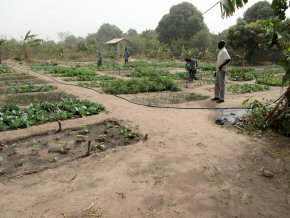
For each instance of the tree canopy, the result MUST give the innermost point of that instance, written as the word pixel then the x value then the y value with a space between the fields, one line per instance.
pixel 260 11
pixel 108 31
pixel 183 21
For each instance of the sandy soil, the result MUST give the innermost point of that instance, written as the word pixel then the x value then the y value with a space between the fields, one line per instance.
pixel 188 167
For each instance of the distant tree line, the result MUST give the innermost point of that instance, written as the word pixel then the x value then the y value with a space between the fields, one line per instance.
pixel 180 33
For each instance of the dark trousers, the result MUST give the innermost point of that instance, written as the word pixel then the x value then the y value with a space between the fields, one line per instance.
pixel 192 74
pixel 220 84
pixel 126 60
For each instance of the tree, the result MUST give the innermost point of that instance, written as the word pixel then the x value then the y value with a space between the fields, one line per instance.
pixel 70 41
pixel 201 40
pixel 183 21
pixel 28 42
pixel 108 31
pixel 247 38
pixel 260 11
pixel 63 35
pixel 131 34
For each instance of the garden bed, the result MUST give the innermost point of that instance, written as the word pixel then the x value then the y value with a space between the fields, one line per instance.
pixel 40 152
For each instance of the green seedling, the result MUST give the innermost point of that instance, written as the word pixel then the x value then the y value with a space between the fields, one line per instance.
pixel 52 158
pixel 80 138
pixel 127 133
pixel 21 162
pixel 102 138
pixel 100 146
pixel 35 149
pixel 2 171
pixel 62 143
pixel 64 149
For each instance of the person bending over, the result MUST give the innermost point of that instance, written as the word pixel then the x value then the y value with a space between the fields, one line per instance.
pixel 192 68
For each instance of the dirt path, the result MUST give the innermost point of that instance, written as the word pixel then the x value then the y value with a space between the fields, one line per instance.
pixel 188 167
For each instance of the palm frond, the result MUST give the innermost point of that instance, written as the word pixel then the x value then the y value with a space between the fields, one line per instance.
pixel 228 7
pixel 27 35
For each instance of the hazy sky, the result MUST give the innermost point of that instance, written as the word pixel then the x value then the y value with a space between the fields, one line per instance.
pixel 80 17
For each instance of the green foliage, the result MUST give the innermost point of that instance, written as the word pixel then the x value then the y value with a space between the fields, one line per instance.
pixel 53 158
pixel 279 8
pixel 27 89
pixel 269 78
pixel 238 74
pixel 257 120
pixel 144 84
pixel 2 171
pixel 90 78
pixel 248 38
pixel 12 117
pixel 259 11
pixel 4 69
pixel 108 32
pixel 63 71
pixel 280 121
pixel 183 21
pixel 247 88
pixel 28 42
pixel 228 7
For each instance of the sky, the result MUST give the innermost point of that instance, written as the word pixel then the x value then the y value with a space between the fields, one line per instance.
pixel 46 18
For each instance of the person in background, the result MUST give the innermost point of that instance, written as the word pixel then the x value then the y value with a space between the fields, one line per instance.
pixel 223 59
pixel 126 56
pixel 192 68
pixel 100 59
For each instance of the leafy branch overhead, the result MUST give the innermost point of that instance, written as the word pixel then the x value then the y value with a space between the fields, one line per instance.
pixel 228 7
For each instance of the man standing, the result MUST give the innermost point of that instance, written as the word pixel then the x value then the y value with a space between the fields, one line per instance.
pixel 191 66
pixel 126 56
pixel 222 60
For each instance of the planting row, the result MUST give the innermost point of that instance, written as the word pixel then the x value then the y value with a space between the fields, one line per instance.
pixel 41 152
pixel 13 117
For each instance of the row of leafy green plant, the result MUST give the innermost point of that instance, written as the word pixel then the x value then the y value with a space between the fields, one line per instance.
pixel 13 117
pixel 27 89
pixel 247 88
pixel 4 69
pixel 115 66
pixel 63 71
pixel 90 78
pixel 265 77
pixel 140 85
